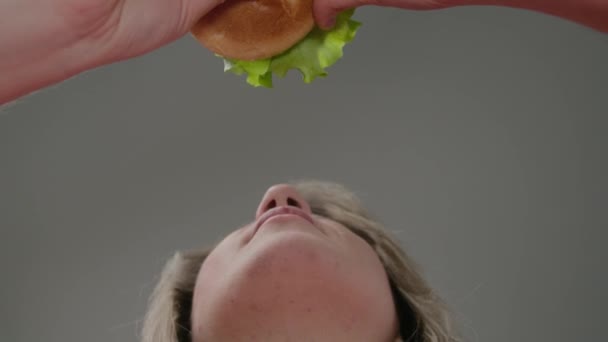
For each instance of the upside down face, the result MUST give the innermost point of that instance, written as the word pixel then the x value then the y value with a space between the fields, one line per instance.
pixel 291 275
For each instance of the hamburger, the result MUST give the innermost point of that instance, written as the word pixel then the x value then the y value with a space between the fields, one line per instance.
pixel 261 38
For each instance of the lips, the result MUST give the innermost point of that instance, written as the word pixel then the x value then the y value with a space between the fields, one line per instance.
pixel 282 211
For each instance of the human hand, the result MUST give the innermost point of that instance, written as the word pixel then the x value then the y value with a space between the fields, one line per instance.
pixel 43 42
pixel 326 10
pixel 121 29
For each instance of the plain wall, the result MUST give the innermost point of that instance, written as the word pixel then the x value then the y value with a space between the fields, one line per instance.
pixel 477 135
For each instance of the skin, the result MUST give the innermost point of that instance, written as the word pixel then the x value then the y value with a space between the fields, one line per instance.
pixel 592 13
pixel 43 42
pixel 62 38
pixel 293 280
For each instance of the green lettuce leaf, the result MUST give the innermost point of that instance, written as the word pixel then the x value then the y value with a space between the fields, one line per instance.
pixel 317 51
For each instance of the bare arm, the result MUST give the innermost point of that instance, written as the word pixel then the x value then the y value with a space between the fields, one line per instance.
pixel 43 42
pixel 36 48
pixel 591 13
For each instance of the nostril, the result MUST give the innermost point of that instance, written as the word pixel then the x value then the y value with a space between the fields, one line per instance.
pixel 271 204
pixel 279 196
pixel 292 202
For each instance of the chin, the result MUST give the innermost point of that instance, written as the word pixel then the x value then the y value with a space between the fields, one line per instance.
pixel 291 281
pixel 288 274
pixel 293 251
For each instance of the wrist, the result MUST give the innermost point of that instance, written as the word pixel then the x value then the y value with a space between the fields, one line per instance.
pixel 38 49
pixel 36 72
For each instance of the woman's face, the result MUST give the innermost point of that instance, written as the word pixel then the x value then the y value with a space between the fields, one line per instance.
pixel 290 275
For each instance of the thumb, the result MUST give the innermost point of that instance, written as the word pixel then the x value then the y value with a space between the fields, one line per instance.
pixel 195 10
pixel 325 11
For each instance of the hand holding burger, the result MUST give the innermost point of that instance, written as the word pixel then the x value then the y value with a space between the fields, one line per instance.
pixel 266 37
pixel 43 42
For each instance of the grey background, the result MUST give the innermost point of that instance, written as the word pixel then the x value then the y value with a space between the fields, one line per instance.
pixel 477 134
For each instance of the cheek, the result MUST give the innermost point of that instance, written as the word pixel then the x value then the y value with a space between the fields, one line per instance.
pixel 372 285
pixel 211 275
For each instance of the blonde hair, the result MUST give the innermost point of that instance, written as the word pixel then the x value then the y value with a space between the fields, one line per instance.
pixel 422 315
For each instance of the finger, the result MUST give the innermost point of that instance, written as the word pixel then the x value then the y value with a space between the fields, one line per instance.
pixel 325 11
pixel 194 10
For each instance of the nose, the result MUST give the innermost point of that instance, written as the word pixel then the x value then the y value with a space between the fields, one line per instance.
pixel 282 195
